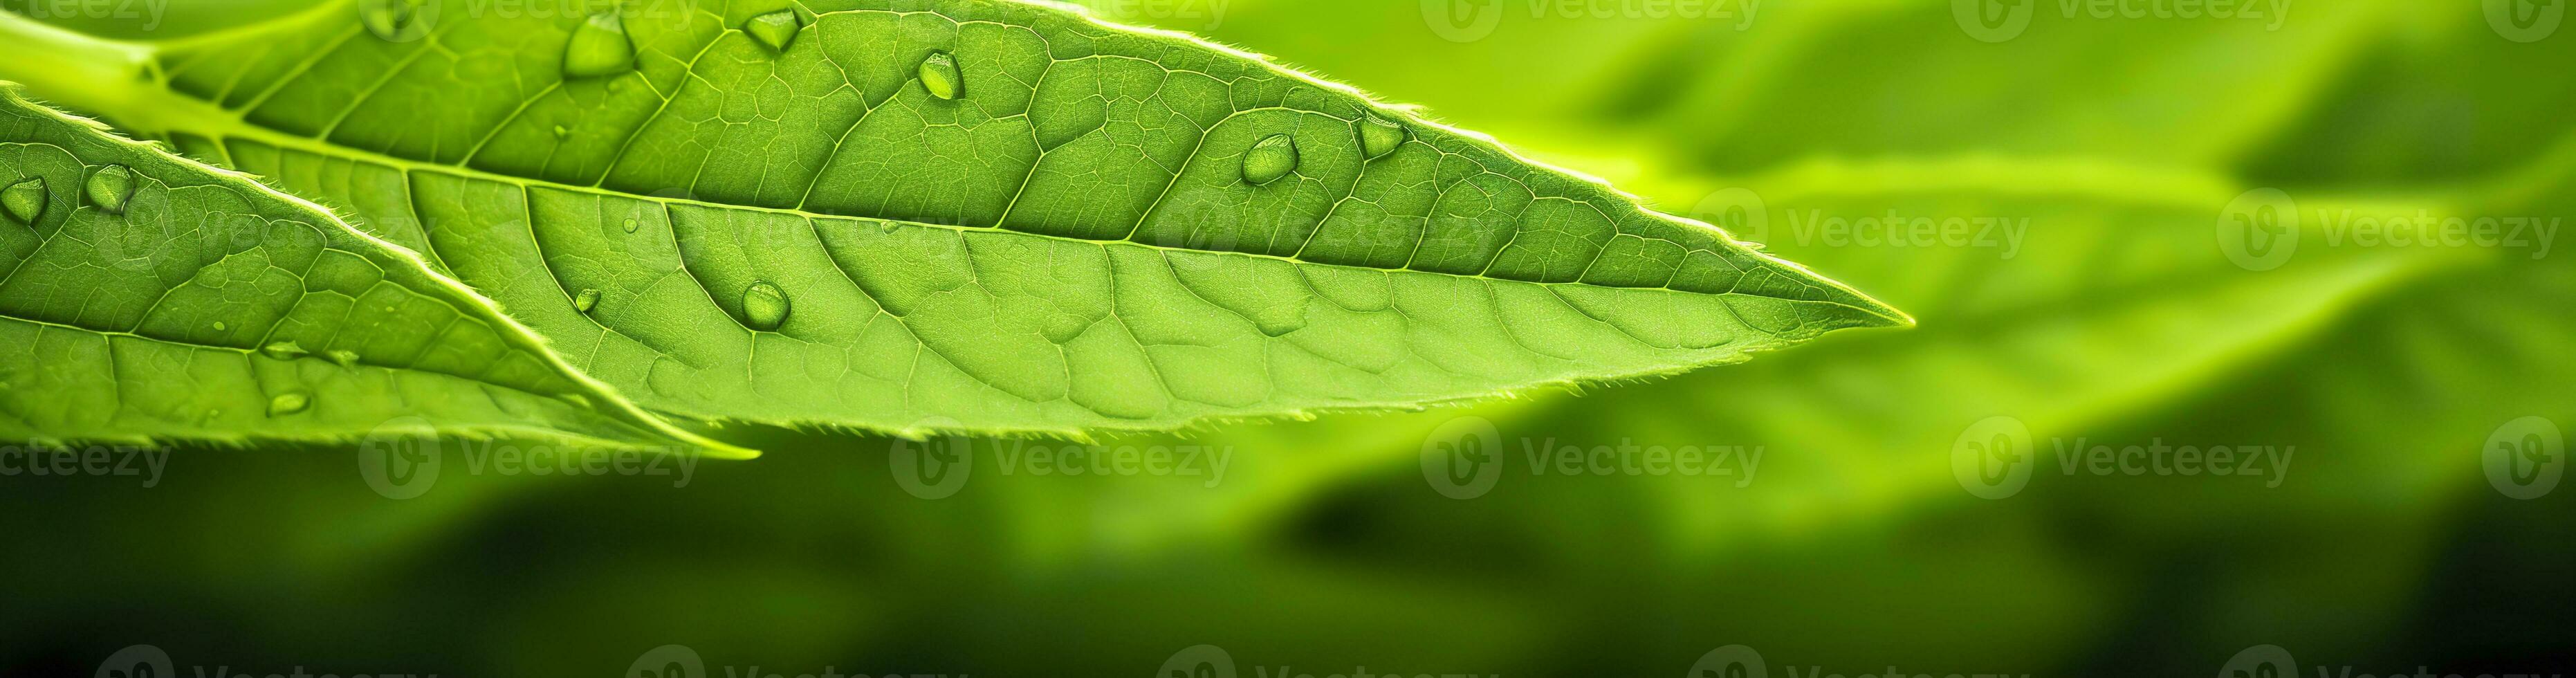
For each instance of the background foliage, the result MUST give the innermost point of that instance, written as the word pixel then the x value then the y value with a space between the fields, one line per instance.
pixel 2117 319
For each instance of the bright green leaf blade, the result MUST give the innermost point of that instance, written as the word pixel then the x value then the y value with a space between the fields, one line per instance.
pixel 1082 238
pixel 153 298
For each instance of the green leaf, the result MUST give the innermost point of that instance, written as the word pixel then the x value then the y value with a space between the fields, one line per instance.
pixel 975 214
pixel 145 297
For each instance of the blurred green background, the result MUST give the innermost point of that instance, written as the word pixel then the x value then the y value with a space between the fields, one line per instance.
pixel 2113 149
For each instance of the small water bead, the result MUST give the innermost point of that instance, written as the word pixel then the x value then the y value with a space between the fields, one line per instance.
pixel 1380 136
pixel 939 75
pixel 219 326
pixel 764 306
pixel 586 300
pixel 631 224
pixel 393 20
pixel 284 350
pixel 344 357
pixel 110 188
pixel 1271 158
pixel 599 47
pixel 562 132
pixel 775 29
pixel 26 200
pixel 289 402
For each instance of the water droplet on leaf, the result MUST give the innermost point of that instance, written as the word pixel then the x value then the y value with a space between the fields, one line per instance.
pixel 392 20
pixel 110 187
pixel 599 47
pixel 586 300
pixel 939 75
pixel 764 307
pixel 1380 136
pixel 288 403
pixel 26 200
pixel 219 326
pixel 345 357
pixel 562 132
pixel 775 29
pixel 1271 158
pixel 631 224
pixel 284 350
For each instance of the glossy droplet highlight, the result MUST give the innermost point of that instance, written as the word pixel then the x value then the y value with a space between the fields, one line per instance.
pixel 392 20
pixel 284 350
pixel 775 29
pixel 219 326
pixel 631 224
pixel 288 403
pixel 1380 136
pixel 939 75
pixel 1271 158
pixel 110 188
pixel 599 47
pixel 26 200
pixel 344 357
pixel 586 300
pixel 764 307
pixel 562 132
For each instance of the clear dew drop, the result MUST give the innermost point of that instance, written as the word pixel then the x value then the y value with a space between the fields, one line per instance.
pixel 283 350
pixel 888 227
pixel 289 402
pixel 775 29
pixel 1380 136
pixel 344 357
pixel 939 75
pixel 586 300
pixel 562 132
pixel 1271 158
pixel 219 326
pixel 110 188
pixel 764 307
pixel 599 47
pixel 632 224
pixel 391 20
pixel 26 200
